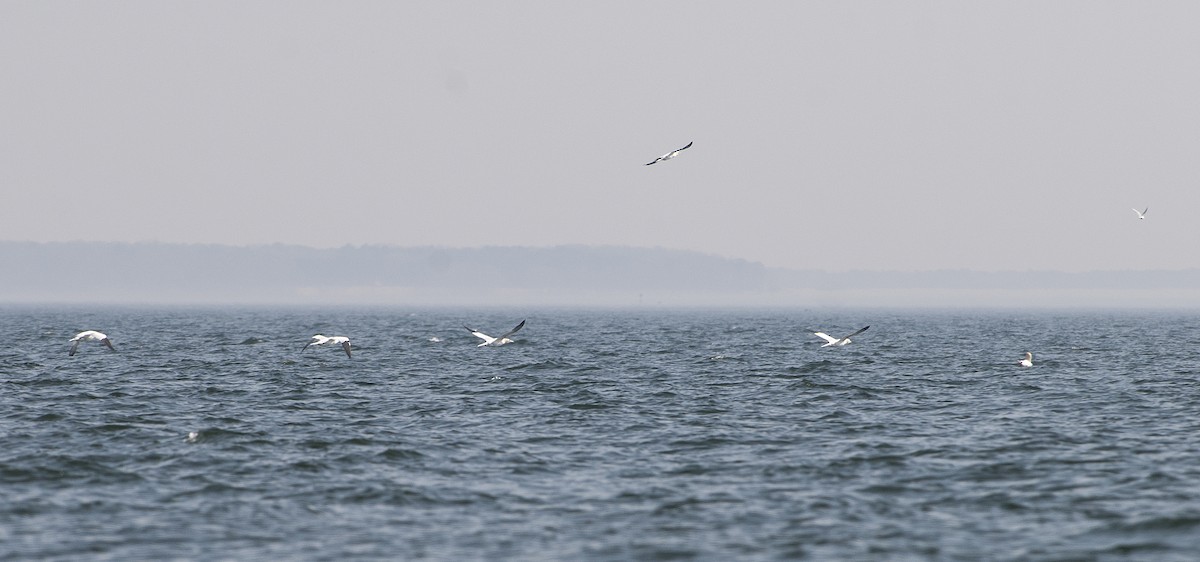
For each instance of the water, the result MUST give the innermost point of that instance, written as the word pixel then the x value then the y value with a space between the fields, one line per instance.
pixel 642 435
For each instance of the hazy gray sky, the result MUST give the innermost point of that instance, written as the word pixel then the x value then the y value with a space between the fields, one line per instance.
pixel 828 135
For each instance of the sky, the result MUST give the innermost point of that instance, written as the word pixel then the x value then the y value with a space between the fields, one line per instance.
pixel 828 135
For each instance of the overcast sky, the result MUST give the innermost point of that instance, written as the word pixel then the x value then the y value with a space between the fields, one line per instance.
pixel 828 135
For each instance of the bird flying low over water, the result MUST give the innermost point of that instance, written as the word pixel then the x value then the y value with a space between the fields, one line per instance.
pixel 90 335
pixel 1027 361
pixel 830 340
pixel 322 340
pixel 669 155
pixel 1142 214
pixel 489 340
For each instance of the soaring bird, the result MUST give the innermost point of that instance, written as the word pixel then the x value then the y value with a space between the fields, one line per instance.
pixel 90 335
pixel 322 340
pixel 489 340
pixel 830 340
pixel 1027 361
pixel 1142 214
pixel 669 155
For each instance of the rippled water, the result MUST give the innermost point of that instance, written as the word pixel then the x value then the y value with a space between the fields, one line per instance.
pixel 599 435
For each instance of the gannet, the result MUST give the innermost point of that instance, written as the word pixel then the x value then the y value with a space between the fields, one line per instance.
pixel 322 340
pixel 489 340
pixel 669 155
pixel 1027 361
pixel 90 335
pixel 830 340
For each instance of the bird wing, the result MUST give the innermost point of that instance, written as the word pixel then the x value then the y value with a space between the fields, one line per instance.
pixel 346 347
pixel 74 346
pixel 825 337
pixel 670 154
pixel 856 333
pixel 108 342
pixel 486 338
pixel 514 330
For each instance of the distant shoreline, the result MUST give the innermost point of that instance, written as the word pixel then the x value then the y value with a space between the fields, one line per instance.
pixel 561 276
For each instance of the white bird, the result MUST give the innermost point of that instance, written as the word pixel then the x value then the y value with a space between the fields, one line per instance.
pixel 669 155
pixel 1027 361
pixel 830 340
pixel 322 340
pixel 1142 214
pixel 90 335
pixel 489 340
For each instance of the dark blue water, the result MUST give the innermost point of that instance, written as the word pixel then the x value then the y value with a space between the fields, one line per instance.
pixel 599 435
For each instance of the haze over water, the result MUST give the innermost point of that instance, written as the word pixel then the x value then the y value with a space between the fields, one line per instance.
pixel 714 435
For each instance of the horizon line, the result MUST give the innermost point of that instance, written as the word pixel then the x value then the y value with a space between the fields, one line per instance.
pixel 348 246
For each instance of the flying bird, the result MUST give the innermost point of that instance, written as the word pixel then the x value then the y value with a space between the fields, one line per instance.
pixel 669 155
pixel 322 340
pixel 1142 214
pixel 1027 361
pixel 830 340
pixel 489 340
pixel 90 335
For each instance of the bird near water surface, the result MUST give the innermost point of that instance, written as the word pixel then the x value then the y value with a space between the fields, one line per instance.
pixel 494 342
pixel 830 340
pixel 322 340
pixel 1027 361
pixel 89 335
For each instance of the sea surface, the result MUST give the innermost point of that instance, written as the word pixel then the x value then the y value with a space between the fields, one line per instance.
pixel 599 435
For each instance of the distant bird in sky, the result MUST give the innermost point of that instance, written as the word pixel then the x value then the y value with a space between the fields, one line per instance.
pixel 830 340
pixel 669 155
pixel 1027 361
pixel 1142 214
pixel 489 340
pixel 90 335
pixel 322 340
